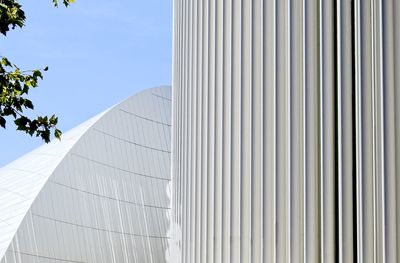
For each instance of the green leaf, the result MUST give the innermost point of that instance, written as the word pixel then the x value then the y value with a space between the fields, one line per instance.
pixel 45 135
pixel 53 120
pixel 21 123
pixel 57 134
pixel 2 122
pixel 28 104
pixel 33 126
pixel 5 62
pixel 37 73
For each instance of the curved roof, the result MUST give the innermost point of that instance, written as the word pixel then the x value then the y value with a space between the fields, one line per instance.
pixel 24 179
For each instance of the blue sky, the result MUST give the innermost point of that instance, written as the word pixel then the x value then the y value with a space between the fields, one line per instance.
pixel 98 51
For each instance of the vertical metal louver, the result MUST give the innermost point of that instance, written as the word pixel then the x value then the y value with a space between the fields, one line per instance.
pixel 286 130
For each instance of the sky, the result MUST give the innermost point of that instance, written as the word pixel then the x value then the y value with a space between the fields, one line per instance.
pixel 99 52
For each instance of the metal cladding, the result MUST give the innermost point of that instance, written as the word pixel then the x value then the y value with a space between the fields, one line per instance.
pixel 99 195
pixel 286 130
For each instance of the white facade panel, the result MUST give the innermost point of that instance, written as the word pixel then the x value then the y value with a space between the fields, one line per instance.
pixel 286 131
pixel 99 195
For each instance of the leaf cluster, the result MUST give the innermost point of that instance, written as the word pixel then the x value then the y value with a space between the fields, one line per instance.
pixel 15 84
pixel 65 2
pixel 11 15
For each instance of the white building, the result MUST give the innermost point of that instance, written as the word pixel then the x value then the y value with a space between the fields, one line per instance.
pixel 286 130
pixel 100 195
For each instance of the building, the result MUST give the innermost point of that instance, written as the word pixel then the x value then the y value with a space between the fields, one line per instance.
pixel 286 131
pixel 99 195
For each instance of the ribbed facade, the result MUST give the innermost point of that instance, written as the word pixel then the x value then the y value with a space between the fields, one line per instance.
pixel 286 130
pixel 101 195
